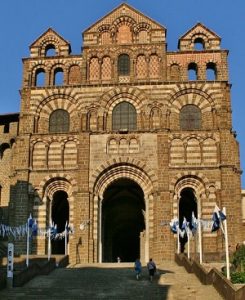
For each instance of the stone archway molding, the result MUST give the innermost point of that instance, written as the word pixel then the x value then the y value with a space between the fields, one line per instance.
pixel 111 171
pixel 196 180
pixel 115 95
pixel 200 95
pixel 127 168
pixel 57 182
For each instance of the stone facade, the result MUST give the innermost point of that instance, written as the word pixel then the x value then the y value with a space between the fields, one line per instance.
pixel 91 160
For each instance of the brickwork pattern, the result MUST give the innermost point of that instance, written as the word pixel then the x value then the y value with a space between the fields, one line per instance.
pixel 159 156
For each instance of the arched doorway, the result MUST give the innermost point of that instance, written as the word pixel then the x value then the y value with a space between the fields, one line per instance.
pixel 122 221
pixel 187 206
pixel 59 215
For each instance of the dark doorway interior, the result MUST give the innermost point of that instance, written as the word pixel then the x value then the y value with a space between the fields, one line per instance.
pixel 122 221
pixel 187 205
pixel 60 215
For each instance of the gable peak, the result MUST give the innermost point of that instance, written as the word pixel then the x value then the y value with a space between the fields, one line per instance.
pixel 50 39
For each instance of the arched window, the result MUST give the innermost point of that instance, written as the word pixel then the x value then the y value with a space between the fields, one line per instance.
pixel 50 50
pixel 187 205
pixel 124 117
pixel 211 72
pixel 59 121
pixel 40 77
pixel 58 76
pixel 123 65
pixel 190 117
pixel 199 44
pixel 192 71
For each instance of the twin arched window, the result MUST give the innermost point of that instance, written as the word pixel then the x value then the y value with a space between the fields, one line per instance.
pixel 59 121
pixel 190 117
pixel 40 77
pixel 124 117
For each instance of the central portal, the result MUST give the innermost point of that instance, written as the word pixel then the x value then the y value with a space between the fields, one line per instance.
pixel 122 221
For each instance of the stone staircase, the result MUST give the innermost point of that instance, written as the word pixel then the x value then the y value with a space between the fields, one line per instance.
pixel 113 281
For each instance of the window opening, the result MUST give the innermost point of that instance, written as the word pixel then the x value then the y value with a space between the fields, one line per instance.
pixel 190 117
pixel 59 121
pixel 59 215
pixel 211 73
pixel 187 207
pixel 58 76
pixel 199 44
pixel 40 78
pixel 50 50
pixel 192 71
pixel 123 65
pixel 124 117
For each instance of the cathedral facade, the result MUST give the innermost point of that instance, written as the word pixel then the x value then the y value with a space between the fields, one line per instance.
pixel 120 139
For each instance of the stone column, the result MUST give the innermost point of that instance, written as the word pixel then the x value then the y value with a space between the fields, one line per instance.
pixel 100 230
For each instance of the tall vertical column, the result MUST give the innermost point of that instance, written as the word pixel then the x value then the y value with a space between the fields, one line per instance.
pixel 100 230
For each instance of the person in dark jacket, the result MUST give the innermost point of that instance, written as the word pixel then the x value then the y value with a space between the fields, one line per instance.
pixel 151 266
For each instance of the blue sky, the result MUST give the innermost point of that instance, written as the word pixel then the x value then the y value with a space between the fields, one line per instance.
pixel 22 21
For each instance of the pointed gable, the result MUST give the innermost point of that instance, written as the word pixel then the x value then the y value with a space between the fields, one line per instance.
pixel 124 25
pixel 49 39
pixel 202 34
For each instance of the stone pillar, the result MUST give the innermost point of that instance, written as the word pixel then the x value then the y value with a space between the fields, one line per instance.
pixel 100 230
pixel 142 246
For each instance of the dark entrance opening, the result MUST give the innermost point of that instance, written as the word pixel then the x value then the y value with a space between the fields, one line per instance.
pixel 187 205
pixel 60 215
pixel 122 221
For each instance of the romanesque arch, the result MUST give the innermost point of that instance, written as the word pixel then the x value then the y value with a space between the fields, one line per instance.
pixel 204 191
pixel 111 173
pixel 201 99
pixel 55 195
pixel 44 108
pixel 132 95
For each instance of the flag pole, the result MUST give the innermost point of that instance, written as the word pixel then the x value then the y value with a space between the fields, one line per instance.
pixel 226 247
pixel 66 238
pixel 178 246
pixel 200 238
pixel 188 243
pixel 28 242
pixel 49 242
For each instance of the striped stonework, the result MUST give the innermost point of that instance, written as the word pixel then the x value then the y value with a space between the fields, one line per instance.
pixel 94 164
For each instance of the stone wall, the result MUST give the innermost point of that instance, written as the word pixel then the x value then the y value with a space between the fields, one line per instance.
pixel 161 156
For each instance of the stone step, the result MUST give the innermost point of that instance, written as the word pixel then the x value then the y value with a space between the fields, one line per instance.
pixel 113 281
